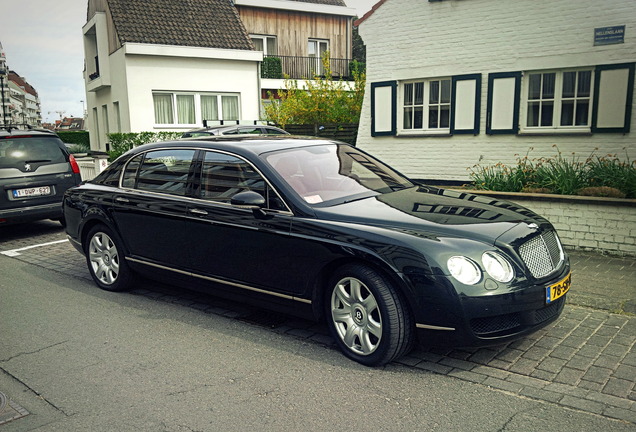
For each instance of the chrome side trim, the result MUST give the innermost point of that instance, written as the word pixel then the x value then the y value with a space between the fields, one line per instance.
pixel 221 281
pixel 432 327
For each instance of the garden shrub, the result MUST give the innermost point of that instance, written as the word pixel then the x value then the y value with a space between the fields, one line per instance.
pixel 595 176
pixel 120 143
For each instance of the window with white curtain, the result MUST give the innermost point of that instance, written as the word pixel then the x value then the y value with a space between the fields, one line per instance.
pixel 163 108
pixel 209 107
pixel 191 109
pixel 185 109
pixel 264 43
pixel 230 107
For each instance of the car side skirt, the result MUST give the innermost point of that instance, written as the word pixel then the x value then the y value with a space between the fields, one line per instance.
pixel 221 281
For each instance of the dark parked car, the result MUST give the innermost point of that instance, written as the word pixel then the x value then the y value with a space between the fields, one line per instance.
pixel 35 171
pixel 235 130
pixel 327 230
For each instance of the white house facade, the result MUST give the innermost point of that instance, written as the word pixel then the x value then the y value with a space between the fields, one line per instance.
pixel 452 83
pixel 141 76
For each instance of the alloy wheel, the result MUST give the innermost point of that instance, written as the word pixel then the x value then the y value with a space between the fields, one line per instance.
pixel 104 258
pixel 356 316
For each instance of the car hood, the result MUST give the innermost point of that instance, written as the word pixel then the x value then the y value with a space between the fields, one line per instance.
pixel 438 212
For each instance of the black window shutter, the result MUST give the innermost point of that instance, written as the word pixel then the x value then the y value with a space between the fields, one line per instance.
pixel 504 94
pixel 613 96
pixel 383 108
pixel 466 96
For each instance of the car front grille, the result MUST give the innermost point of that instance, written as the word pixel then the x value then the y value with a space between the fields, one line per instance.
pixel 549 311
pixel 495 324
pixel 542 254
pixel 506 324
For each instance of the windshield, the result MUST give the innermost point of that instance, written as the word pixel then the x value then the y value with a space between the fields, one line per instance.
pixel 331 174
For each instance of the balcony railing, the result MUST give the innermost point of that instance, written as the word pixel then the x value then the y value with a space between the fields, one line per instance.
pixel 278 67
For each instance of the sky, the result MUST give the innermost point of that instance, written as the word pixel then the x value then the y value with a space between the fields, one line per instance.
pixel 42 40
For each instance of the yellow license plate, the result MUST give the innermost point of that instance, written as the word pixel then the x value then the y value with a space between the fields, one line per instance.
pixel 559 289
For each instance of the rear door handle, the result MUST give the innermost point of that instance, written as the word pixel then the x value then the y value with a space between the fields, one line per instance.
pixel 122 200
pixel 198 212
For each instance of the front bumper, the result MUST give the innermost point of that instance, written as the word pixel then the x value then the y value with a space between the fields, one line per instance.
pixel 492 318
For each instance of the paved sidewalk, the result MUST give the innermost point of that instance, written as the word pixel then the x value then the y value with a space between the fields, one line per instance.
pixel 585 361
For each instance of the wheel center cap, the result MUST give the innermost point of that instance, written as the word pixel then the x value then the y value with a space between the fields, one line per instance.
pixel 358 315
pixel 106 258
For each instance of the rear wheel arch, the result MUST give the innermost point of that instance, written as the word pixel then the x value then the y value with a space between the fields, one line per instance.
pixel 89 223
pixel 106 259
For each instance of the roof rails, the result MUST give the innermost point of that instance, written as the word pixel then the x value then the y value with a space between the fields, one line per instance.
pixel 213 123
pixel 22 126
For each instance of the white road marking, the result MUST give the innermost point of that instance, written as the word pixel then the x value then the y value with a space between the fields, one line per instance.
pixel 16 252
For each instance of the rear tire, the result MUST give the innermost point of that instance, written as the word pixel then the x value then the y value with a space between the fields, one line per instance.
pixel 367 317
pixel 105 259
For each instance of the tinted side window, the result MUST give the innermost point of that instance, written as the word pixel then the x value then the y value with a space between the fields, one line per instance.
pixel 250 130
pixel 165 171
pixel 274 132
pixel 130 173
pixel 223 176
pixel 110 176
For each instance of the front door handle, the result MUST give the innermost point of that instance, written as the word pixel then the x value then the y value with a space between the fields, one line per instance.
pixel 122 200
pixel 199 212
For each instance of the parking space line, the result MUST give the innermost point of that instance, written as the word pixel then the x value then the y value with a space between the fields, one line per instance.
pixel 16 252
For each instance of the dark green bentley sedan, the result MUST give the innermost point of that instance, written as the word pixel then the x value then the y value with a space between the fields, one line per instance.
pixel 324 230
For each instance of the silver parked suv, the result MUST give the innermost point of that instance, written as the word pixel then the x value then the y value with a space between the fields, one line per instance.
pixel 35 171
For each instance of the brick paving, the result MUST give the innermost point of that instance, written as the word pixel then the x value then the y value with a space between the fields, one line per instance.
pixel 585 361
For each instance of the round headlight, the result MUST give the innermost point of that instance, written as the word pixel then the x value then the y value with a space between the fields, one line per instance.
pixel 497 267
pixel 464 270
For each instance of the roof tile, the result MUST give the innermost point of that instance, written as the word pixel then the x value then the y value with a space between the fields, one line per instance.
pixel 199 23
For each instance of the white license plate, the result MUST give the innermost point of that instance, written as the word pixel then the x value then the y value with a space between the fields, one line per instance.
pixel 30 192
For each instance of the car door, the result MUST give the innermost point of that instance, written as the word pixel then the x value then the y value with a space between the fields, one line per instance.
pixel 232 243
pixel 149 210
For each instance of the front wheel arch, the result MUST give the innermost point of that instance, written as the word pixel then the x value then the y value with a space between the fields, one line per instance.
pixel 321 283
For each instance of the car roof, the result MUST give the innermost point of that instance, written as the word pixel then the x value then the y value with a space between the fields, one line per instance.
pixel 242 144
pixel 13 131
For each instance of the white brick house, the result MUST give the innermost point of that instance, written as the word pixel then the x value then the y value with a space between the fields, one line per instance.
pixel 454 83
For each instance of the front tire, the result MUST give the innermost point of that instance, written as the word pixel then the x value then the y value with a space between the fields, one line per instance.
pixel 105 259
pixel 367 317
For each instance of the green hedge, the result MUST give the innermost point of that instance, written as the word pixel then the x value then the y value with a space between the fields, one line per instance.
pixel 120 143
pixel 79 138
pixel 272 68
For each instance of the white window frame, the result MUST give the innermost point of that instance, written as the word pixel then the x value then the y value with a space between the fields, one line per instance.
pixel 197 107
pixel 265 39
pixel 558 103
pixel 426 129
pixel 317 44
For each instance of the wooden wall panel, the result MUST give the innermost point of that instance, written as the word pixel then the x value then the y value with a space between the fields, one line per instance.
pixel 294 29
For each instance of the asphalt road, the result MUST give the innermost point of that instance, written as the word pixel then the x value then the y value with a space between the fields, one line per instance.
pixel 81 359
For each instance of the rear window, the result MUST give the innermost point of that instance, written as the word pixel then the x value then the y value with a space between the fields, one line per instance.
pixel 15 151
